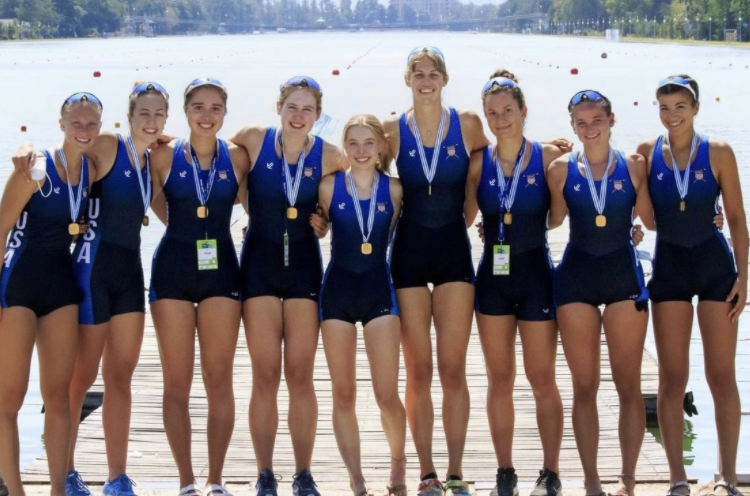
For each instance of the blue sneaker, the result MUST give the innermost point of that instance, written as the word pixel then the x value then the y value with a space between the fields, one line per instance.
pixel 74 485
pixel 304 485
pixel 121 486
pixel 267 484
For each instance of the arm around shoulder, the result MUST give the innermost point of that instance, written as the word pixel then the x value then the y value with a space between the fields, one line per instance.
pixel 473 132
pixel 334 159
pixel 556 177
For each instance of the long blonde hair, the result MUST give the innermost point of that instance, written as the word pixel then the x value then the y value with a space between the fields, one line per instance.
pixel 372 123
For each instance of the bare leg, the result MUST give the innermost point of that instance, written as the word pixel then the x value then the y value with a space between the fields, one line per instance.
pixel 175 323
pixel 453 305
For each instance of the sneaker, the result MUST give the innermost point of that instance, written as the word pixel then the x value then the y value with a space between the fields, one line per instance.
pixel 74 485
pixel 506 482
pixel 548 484
pixel 267 484
pixel 304 485
pixel 457 487
pixel 121 486
pixel 3 487
pixel 430 487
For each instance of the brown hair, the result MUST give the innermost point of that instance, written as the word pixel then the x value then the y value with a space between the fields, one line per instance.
pixel 515 91
pixel 676 88
pixel 426 54
pixel 372 123
pixel 287 90
pixel 150 90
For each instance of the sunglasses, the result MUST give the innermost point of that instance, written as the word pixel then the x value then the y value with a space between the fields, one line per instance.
pixel 586 96
pixel 206 81
pixel 425 49
pixel 501 82
pixel 677 81
pixel 83 97
pixel 303 81
pixel 146 87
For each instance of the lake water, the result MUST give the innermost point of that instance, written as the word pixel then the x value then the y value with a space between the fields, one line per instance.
pixel 38 76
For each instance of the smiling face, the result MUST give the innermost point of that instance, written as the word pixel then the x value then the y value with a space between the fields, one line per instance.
pixel 298 112
pixel 591 123
pixel 504 117
pixel 81 123
pixel 148 117
pixel 426 80
pixel 678 110
pixel 362 147
pixel 205 111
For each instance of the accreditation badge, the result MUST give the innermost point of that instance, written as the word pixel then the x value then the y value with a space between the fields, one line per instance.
pixel 501 260
pixel 208 254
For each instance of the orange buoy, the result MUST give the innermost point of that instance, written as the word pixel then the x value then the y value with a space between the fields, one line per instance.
pixel 604 55
pixel 97 74
pixel 23 129
pixel 635 104
pixel 335 72
pixel 574 71
pixel 393 112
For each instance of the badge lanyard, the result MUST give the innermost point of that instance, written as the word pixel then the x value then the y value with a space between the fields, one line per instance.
pixel 366 245
pixel 429 171
pixel 682 182
pixel 203 191
pixel 600 199
pixel 145 189
pixel 74 200
pixel 508 192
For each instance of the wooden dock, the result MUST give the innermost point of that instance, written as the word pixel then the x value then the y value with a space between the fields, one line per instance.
pixel 150 459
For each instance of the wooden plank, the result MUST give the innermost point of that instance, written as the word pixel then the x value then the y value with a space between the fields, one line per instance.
pixel 150 458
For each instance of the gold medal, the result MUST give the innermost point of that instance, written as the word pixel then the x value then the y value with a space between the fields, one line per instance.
pixel 366 248
pixel 145 220
pixel 74 228
pixel 202 212
pixel 429 190
pixel 291 213
pixel 508 218
pixel 682 206
pixel 601 220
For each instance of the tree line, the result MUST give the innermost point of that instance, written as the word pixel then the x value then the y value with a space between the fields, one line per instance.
pixel 698 19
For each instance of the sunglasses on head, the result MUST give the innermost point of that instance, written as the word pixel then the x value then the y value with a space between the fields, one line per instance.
pixel 502 82
pixel 586 96
pixel 677 81
pixel 303 81
pixel 146 87
pixel 206 81
pixel 422 49
pixel 83 97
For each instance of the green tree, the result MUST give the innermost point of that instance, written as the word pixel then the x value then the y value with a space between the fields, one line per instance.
pixel 103 15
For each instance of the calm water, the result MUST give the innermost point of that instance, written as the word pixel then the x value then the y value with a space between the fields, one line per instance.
pixel 37 76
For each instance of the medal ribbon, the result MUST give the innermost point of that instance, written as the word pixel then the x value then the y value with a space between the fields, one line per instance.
pixel 75 202
pixel 145 190
pixel 291 186
pixel 682 182
pixel 358 208
pixel 429 171
pixel 601 199
pixel 508 191
pixel 203 191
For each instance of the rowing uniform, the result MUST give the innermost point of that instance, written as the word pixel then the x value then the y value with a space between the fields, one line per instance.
pixel 600 265
pixel 431 244
pixel 525 288
pixel 692 256
pixel 37 272
pixel 196 259
pixel 357 286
